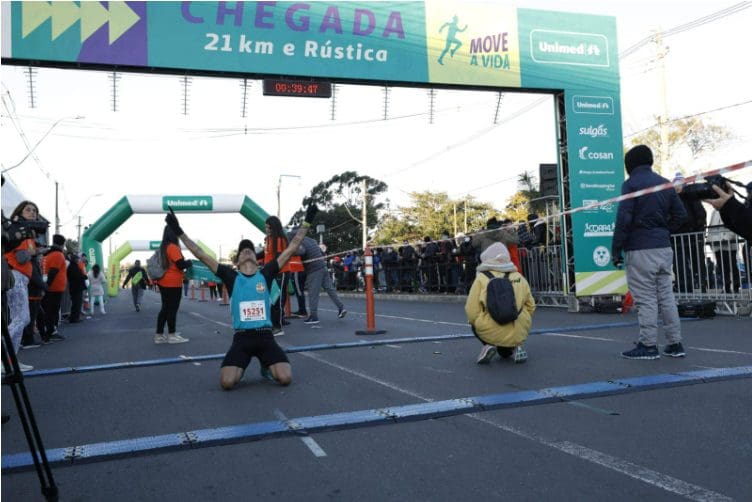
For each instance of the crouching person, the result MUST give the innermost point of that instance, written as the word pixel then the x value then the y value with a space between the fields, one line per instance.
pixel 501 313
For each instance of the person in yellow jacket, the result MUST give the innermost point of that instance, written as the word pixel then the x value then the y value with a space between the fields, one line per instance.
pixel 504 339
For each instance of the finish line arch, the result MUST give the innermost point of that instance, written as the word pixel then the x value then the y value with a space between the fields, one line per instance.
pixel 113 262
pixel 494 46
pixel 91 240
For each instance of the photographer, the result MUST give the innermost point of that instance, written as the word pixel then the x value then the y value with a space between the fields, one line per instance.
pixel 23 232
pixel 736 216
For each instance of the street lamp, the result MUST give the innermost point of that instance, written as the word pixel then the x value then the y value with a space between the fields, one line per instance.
pixel 279 186
pixel 31 150
pixel 320 229
pixel 77 214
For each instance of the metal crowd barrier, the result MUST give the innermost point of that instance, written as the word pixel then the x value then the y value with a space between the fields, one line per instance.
pixel 713 265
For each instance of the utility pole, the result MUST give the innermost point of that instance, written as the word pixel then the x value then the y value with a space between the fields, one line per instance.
pixel 661 53
pixel 455 218
pixel 57 212
pixel 465 216
pixel 79 230
pixel 364 186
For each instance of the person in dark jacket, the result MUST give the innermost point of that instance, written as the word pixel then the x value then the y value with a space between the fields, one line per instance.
pixel 643 233
pixel 76 286
pixel 688 242
pixel 736 216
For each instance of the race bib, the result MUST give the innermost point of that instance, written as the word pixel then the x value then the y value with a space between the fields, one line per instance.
pixel 252 311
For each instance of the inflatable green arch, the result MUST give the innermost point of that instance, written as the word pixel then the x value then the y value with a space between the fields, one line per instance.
pixel 113 263
pixel 91 240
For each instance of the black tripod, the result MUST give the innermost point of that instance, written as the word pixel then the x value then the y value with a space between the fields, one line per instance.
pixel 14 379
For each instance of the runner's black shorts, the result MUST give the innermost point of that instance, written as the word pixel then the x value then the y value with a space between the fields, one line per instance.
pixel 250 343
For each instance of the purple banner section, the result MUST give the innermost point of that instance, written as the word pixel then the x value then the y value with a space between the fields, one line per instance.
pixel 129 49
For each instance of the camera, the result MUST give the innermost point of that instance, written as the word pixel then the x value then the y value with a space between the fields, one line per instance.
pixel 14 232
pixel 705 190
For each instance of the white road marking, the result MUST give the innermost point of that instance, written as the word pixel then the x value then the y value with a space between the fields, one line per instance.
pixel 635 471
pixel 431 321
pixel 563 335
pixel 307 440
pixel 196 314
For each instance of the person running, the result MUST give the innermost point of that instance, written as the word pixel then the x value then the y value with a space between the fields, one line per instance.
pixel 170 287
pixel 139 280
pixel 252 292
pixel 452 29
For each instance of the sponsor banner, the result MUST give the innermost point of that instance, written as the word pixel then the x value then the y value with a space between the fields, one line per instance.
pixel 200 272
pixel 187 202
pixel 473 43
pixel 596 173
pixel 601 283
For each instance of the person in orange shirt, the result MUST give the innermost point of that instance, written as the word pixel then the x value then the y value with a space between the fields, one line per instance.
pixel 276 234
pixel 54 268
pixel 19 260
pixel 170 287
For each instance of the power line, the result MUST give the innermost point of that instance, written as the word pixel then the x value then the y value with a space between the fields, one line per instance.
pixel 734 9
pixel 692 116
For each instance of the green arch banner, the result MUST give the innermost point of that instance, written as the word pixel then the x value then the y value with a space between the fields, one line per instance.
pixel 113 262
pixel 91 240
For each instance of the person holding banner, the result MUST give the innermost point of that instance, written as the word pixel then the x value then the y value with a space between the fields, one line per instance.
pixel 643 233
pixel 252 292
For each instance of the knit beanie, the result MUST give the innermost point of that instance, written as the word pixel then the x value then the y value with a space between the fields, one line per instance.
pixel 640 155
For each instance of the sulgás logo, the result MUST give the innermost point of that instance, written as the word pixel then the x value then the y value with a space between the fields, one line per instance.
pixel 601 131
pixel 584 154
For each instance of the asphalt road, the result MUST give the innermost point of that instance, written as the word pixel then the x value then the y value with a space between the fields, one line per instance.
pixel 667 443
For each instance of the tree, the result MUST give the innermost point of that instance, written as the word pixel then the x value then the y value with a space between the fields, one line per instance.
pixel 432 214
pixel 696 136
pixel 340 201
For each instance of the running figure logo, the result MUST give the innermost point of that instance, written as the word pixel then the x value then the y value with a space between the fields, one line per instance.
pixel 452 30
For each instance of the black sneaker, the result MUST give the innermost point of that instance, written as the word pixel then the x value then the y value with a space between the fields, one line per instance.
pixel 285 322
pixel 642 352
pixel 342 313
pixel 299 314
pixel 311 320
pixel 138 307
pixel 674 350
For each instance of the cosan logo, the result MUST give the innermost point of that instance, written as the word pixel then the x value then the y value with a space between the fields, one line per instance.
pixel 585 154
pixel 599 230
pixel 594 132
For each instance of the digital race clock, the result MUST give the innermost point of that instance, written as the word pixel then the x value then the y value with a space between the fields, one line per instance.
pixel 303 88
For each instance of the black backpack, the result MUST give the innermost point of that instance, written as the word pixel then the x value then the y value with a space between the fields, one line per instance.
pixel 500 300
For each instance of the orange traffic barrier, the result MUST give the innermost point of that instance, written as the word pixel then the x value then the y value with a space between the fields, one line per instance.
pixel 203 294
pixel 193 292
pixel 370 310
pixel 224 296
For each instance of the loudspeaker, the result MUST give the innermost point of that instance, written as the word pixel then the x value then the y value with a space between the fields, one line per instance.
pixel 549 179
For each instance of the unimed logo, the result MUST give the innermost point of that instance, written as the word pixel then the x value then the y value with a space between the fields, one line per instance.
pixel 586 154
pixel 593 105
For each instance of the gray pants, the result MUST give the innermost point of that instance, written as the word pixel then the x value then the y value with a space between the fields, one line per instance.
pixel 138 294
pixel 649 281
pixel 315 280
